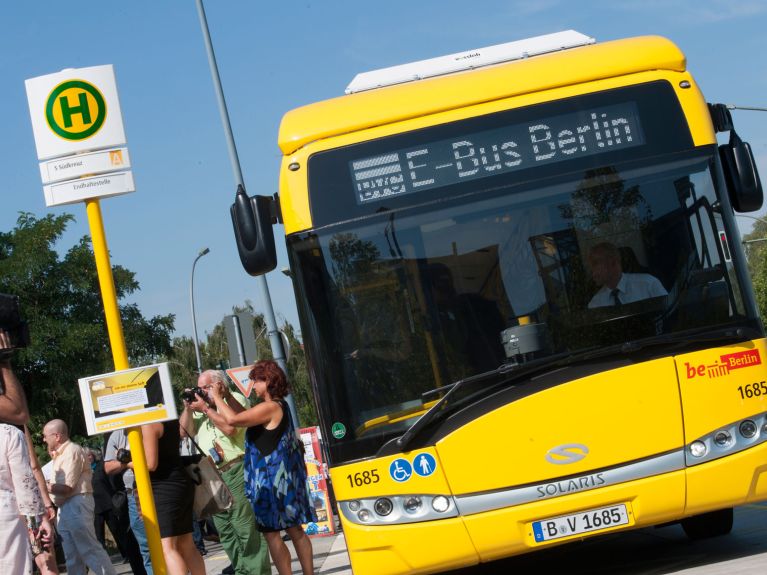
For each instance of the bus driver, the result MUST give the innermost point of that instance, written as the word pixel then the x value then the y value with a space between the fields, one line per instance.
pixel 617 287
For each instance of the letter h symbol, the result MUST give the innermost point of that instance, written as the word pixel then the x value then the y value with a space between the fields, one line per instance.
pixel 82 109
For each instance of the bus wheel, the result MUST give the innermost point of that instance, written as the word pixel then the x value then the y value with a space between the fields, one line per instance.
pixel 711 524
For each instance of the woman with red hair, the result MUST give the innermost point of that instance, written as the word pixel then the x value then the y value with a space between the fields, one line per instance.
pixel 275 471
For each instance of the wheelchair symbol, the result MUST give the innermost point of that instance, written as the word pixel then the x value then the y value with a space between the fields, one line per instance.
pixel 400 470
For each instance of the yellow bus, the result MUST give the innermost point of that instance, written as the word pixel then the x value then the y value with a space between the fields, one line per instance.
pixel 524 300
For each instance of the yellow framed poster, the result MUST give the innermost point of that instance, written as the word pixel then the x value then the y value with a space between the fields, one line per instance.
pixel 127 398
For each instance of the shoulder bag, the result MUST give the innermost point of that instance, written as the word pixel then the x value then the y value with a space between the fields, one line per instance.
pixel 211 494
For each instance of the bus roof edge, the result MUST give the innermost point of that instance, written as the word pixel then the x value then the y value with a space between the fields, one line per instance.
pixel 467 60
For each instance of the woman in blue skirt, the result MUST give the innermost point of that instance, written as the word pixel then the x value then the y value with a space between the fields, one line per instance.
pixel 275 471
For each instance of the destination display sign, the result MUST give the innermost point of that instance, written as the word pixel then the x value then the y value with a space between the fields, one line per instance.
pixel 497 151
pixel 77 166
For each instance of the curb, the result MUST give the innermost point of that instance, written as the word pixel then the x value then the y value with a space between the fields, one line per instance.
pixel 337 559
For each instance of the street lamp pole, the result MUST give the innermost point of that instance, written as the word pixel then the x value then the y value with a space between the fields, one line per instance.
pixel 271 323
pixel 747 242
pixel 194 320
pixel 751 217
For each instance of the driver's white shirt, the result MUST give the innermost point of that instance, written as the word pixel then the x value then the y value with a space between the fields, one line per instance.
pixel 631 288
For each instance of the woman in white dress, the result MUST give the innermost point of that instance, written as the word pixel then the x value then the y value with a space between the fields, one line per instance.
pixel 19 498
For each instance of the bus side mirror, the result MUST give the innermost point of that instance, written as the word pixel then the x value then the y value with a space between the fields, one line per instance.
pixel 253 219
pixel 741 175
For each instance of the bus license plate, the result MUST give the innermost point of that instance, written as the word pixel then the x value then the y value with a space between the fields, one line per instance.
pixel 583 522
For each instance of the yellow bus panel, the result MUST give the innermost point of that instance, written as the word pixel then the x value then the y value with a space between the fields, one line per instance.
pixel 506 532
pixel 441 546
pixel 349 481
pixel 730 481
pixel 721 386
pixel 640 402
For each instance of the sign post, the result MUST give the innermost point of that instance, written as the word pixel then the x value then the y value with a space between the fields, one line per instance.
pixel 77 123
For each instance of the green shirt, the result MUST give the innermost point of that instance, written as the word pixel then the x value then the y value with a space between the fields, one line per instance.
pixel 207 433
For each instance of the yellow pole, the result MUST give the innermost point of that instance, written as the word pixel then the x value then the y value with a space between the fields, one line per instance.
pixel 120 356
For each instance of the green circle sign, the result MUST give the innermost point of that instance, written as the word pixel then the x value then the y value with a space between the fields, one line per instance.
pixel 338 430
pixel 75 110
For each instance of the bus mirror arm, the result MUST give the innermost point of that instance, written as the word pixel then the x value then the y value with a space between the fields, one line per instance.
pixel 252 219
pixel 720 117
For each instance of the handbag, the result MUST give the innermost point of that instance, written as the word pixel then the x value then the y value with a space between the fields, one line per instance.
pixel 211 494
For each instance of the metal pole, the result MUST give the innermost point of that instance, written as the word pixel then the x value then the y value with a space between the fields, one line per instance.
pixel 752 108
pixel 238 337
pixel 194 319
pixel 271 324
pixel 751 217
pixel 120 357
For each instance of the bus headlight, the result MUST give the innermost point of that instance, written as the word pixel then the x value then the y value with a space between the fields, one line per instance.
pixel 747 429
pixel 728 439
pixel 440 504
pixel 412 504
pixel 383 506
pixel 722 438
pixel 698 449
pixel 364 515
pixel 398 509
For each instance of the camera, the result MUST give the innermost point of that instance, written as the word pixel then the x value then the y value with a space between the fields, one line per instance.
pixel 11 322
pixel 123 455
pixel 191 394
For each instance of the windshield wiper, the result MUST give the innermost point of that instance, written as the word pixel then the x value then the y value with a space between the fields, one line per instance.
pixel 515 370
pixel 720 335
pixel 553 362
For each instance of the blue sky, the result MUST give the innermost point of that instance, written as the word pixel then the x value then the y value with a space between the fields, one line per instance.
pixel 273 57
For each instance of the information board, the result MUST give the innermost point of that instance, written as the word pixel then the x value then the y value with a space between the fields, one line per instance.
pixel 127 398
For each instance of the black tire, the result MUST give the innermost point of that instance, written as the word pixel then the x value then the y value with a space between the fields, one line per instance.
pixel 711 524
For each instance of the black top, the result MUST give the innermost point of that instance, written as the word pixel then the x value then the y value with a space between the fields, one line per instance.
pixel 173 489
pixel 169 466
pixel 266 440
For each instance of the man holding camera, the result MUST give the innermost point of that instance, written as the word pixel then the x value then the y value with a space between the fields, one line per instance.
pixel 117 461
pixel 225 444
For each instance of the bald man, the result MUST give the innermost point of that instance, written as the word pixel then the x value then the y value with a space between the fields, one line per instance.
pixel 71 490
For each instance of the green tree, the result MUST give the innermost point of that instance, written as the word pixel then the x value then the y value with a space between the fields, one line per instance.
pixel 756 253
pixel 61 300
pixel 182 363
pixel 215 352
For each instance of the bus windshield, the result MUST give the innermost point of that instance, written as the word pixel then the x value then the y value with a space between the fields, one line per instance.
pixel 408 302
pixel 405 302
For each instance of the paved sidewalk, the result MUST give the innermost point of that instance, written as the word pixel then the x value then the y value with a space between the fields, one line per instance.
pixel 330 558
